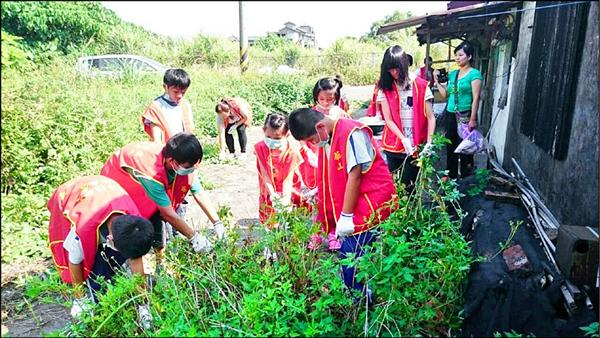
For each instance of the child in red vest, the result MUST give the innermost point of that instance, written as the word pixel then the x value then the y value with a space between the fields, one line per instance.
pixel 355 187
pixel 94 228
pixel 278 161
pixel 328 100
pixel 169 113
pixel 406 106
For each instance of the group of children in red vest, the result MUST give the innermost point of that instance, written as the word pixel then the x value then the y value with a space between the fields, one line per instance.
pixel 318 158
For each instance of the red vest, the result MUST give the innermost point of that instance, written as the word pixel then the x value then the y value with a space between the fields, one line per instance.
pixel 147 158
pixel 422 73
pixel 280 166
pixel 308 172
pixel 235 104
pixel 372 109
pixel 154 114
pixel 376 185
pixel 84 203
pixel 390 142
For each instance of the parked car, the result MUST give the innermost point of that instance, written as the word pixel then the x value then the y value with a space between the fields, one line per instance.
pixel 116 65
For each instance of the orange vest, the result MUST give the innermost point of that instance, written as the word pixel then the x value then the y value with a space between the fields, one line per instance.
pixel 145 157
pixel 376 190
pixel 279 166
pixel 234 106
pixel 84 203
pixel 390 142
pixel 154 114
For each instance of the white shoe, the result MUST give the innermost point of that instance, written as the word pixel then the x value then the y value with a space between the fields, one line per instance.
pixel 242 157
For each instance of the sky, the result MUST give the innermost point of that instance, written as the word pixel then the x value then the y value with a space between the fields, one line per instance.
pixel 329 19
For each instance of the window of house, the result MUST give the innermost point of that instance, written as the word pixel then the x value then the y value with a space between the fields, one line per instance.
pixel 552 72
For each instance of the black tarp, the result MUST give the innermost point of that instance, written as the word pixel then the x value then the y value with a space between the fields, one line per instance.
pixel 498 300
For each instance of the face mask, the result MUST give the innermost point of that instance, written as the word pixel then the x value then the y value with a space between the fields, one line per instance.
pixel 321 107
pixel 273 143
pixel 184 171
pixel 322 143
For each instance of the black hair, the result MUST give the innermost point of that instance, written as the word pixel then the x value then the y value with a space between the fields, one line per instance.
pixel 183 148
pixel 467 47
pixel 132 235
pixel 394 57
pixel 302 122
pixel 410 59
pixel 277 121
pixel 427 59
pixel 328 83
pixel 177 78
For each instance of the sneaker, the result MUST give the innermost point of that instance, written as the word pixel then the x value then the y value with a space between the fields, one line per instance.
pixel 315 242
pixel 334 243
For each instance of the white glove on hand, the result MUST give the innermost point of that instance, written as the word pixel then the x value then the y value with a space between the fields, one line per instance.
pixel 427 149
pixel 200 243
pixel 345 225
pixel 407 143
pixel 144 316
pixel 310 193
pixel 219 229
pixel 232 129
pixel 80 305
pixel 268 254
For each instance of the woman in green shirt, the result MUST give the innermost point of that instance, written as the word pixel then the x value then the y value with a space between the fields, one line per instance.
pixel 463 101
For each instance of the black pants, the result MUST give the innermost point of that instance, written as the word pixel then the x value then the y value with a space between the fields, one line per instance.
pixel 106 265
pixel 159 236
pixel 452 159
pixel 407 167
pixel 241 131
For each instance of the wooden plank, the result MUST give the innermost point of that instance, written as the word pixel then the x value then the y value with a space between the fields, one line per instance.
pixel 503 196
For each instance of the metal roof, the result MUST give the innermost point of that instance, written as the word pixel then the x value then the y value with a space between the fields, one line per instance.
pixel 441 24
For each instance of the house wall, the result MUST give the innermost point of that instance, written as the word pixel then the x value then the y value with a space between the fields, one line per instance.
pixel 502 87
pixel 569 188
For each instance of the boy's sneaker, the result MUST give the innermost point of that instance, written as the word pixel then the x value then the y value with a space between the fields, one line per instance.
pixel 334 243
pixel 315 242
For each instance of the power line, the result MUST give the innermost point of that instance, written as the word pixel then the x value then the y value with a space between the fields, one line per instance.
pixel 522 10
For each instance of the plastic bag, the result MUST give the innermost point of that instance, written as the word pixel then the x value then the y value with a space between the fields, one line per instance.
pixel 472 143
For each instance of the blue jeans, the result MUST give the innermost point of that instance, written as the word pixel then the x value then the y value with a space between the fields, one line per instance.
pixel 355 244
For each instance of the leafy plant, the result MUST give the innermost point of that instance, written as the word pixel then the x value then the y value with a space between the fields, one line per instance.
pixel 482 177
pixel 590 330
pixel 514 226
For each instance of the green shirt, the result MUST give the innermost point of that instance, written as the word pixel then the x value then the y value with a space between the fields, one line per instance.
pixel 156 191
pixel 465 93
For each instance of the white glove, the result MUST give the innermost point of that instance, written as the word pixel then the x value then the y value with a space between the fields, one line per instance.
pixel 345 225
pixel 310 193
pixel 219 229
pixel 407 143
pixel 269 255
pixel 427 149
pixel 232 129
pixel 200 243
pixel 144 316
pixel 80 305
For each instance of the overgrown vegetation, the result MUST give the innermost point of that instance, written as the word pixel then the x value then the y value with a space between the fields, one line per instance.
pixel 416 271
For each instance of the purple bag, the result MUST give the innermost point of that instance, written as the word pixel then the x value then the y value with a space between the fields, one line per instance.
pixel 472 143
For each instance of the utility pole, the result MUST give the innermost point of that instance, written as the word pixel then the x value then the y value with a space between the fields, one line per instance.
pixel 243 41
